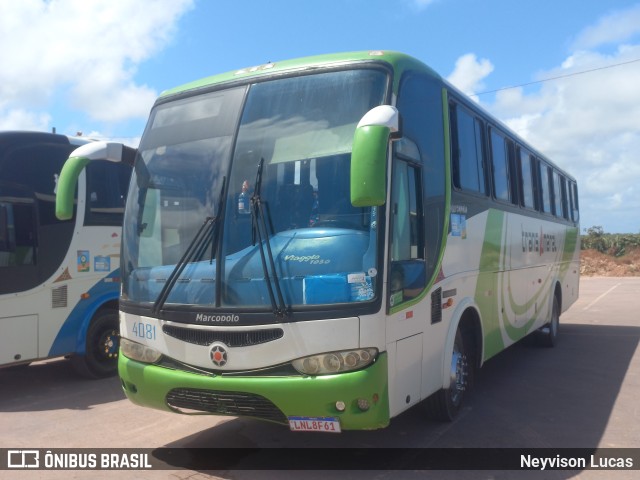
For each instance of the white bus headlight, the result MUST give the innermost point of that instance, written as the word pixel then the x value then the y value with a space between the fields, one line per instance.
pixel 335 362
pixel 139 352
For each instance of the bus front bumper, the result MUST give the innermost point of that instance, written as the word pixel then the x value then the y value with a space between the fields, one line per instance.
pixel 364 394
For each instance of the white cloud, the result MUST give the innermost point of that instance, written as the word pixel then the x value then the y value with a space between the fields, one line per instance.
pixel 588 124
pixel 469 73
pixel 87 49
pixel 616 27
pixel 20 119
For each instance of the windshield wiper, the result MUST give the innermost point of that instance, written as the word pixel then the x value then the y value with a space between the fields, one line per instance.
pixel 207 233
pixel 258 229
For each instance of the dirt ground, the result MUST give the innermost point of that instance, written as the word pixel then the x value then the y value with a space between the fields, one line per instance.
pixel 594 263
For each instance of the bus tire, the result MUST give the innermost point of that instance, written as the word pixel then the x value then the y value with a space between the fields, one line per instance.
pixel 101 349
pixel 548 334
pixel 445 404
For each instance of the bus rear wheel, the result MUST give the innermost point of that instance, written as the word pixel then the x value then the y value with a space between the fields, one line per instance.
pixel 445 404
pixel 101 349
pixel 548 334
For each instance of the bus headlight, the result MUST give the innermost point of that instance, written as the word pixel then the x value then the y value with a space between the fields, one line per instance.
pixel 335 362
pixel 139 352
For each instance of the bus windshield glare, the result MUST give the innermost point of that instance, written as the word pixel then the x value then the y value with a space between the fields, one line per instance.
pixel 204 159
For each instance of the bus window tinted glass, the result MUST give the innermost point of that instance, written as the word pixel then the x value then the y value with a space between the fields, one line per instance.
pixel 575 212
pixel 526 180
pixel 557 195
pixel 565 197
pixel 499 161
pixel 17 228
pixel 468 165
pixel 107 185
pixel 545 191
pixel 407 248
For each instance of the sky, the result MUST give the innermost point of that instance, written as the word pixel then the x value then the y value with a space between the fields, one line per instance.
pixel 564 74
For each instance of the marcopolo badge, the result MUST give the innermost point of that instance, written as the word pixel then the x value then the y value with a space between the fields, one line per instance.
pixel 219 356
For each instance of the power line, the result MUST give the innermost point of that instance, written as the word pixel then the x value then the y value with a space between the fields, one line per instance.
pixel 573 74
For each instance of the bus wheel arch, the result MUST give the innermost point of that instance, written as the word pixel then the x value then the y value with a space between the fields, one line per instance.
pixel 102 340
pixel 462 357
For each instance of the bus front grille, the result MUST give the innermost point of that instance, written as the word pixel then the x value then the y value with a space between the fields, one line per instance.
pixel 224 403
pixel 235 338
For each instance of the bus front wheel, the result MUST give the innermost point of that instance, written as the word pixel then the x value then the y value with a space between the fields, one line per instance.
pixel 101 349
pixel 445 404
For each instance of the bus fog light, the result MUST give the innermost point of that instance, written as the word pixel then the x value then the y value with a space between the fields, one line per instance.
pixel 335 362
pixel 363 404
pixel 340 406
pixel 137 351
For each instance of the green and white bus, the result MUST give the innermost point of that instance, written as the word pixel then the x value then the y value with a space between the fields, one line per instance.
pixel 326 242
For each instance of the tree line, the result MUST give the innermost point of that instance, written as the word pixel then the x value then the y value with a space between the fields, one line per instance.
pixel 615 244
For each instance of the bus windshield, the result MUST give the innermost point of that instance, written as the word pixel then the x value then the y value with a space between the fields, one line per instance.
pixel 208 156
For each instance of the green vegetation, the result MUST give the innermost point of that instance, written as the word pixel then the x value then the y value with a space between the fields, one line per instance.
pixel 614 244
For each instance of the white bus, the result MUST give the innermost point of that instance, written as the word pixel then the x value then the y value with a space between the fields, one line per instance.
pixel 59 280
pixel 326 242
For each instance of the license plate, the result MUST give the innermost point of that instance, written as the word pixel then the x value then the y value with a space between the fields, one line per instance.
pixel 315 424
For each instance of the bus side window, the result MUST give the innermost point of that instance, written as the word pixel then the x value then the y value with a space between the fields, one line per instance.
pixel 20 257
pixel 557 195
pixel 107 185
pixel 545 187
pixel 527 198
pixel 573 195
pixel 468 158
pixel 407 275
pixel 565 198
pixel 17 233
pixel 500 166
pixel 423 129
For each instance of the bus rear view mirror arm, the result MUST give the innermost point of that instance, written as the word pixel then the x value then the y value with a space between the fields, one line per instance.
pixel 369 155
pixel 79 158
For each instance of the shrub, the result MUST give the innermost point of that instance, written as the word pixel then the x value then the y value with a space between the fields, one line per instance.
pixel 614 244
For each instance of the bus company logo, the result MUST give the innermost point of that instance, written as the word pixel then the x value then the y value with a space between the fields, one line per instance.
pixel 23 459
pixel 219 356
pixel 538 242
pixel 201 317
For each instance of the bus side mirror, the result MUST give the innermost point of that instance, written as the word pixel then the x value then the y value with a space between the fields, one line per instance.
pixel 79 158
pixel 369 155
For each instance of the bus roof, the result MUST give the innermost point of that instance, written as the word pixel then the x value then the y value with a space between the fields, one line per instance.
pixel 398 61
pixel 13 138
pixel 22 137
